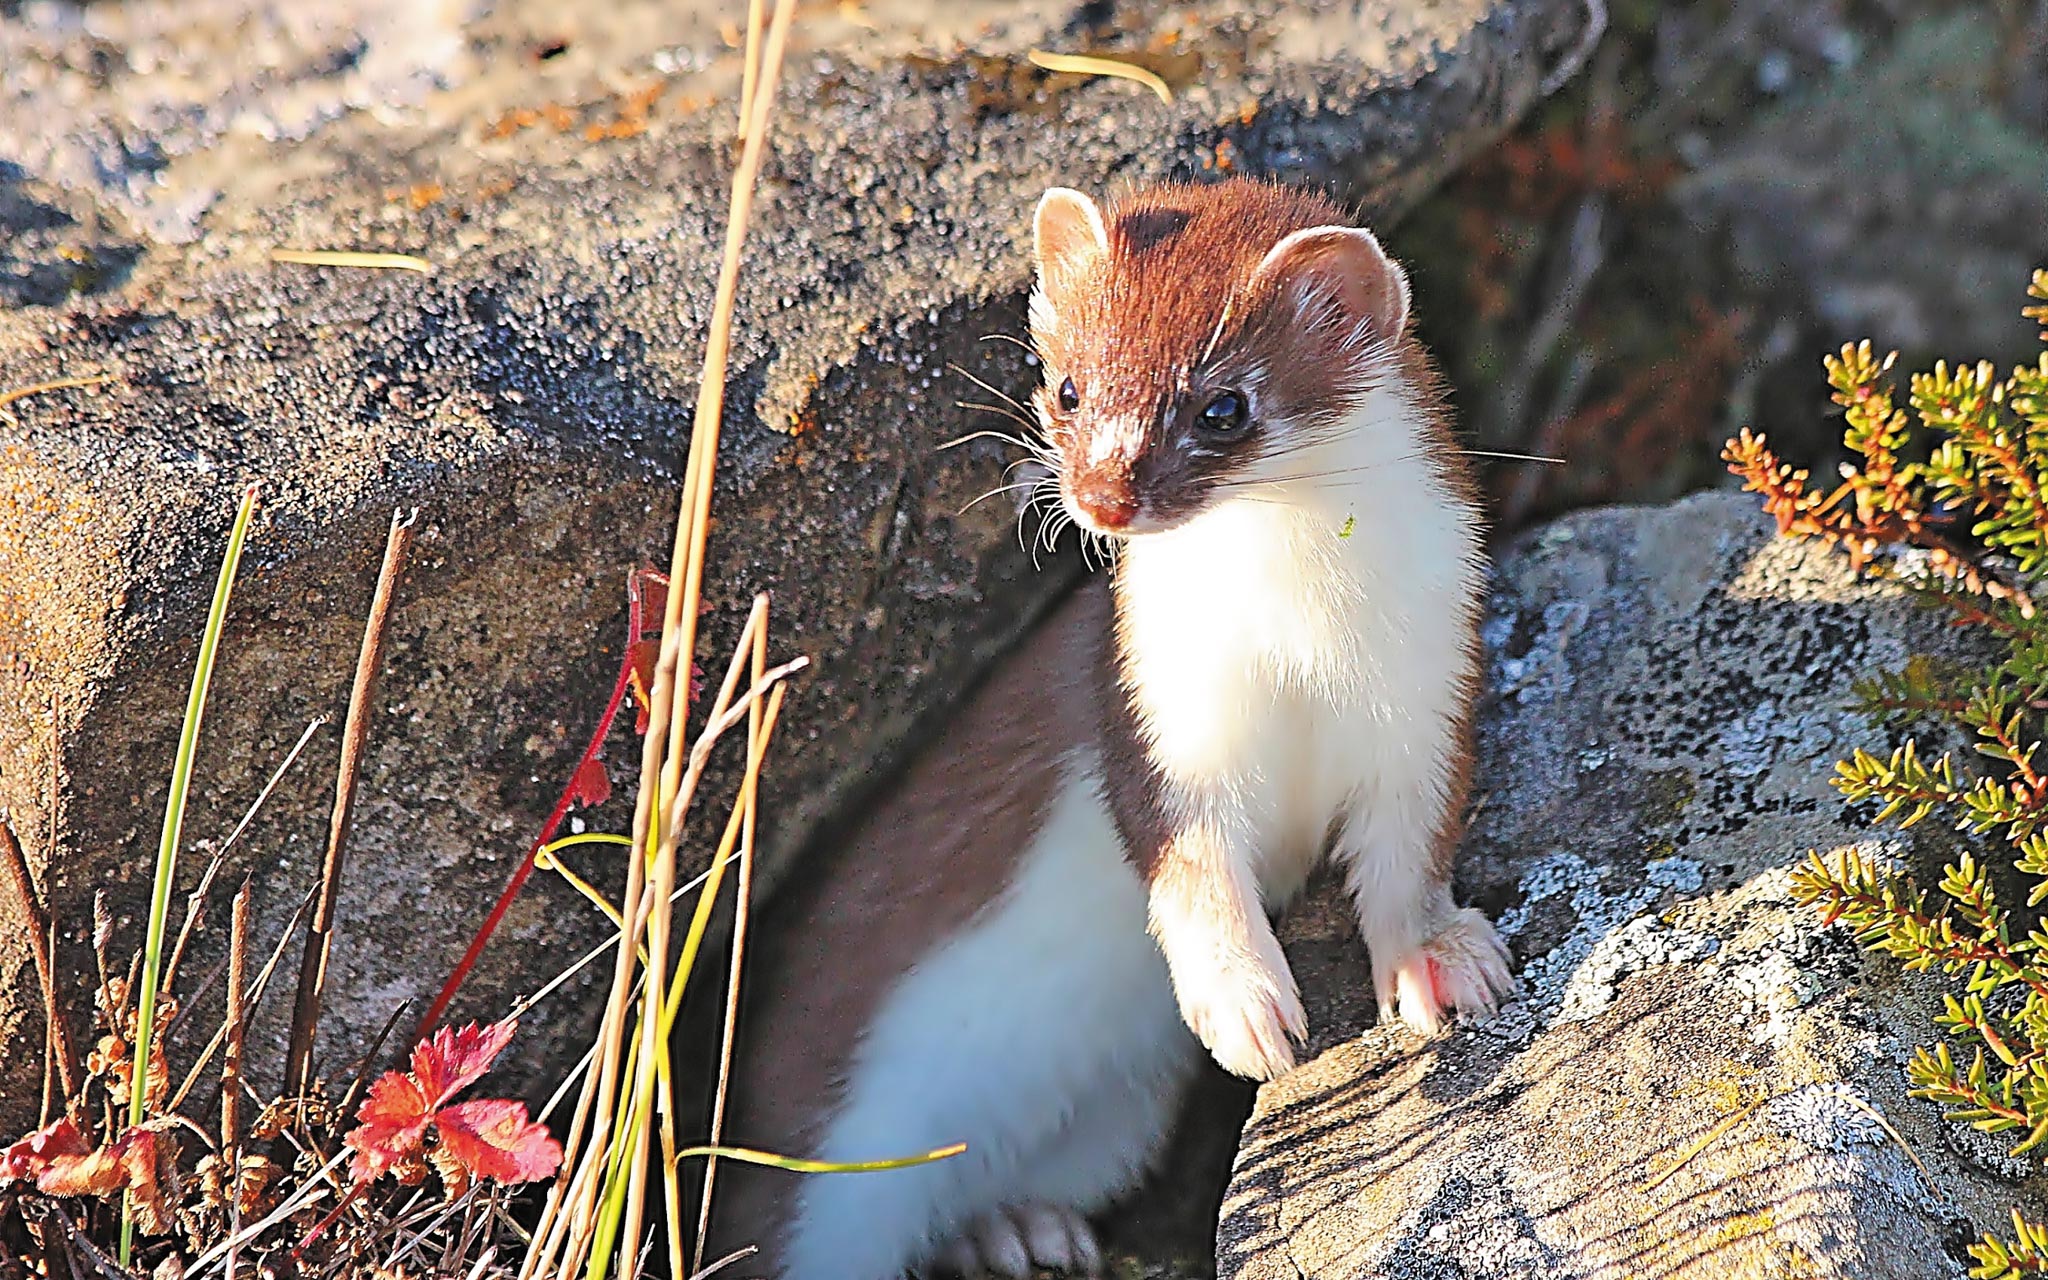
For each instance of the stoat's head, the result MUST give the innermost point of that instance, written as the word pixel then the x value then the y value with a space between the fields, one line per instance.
pixel 1200 341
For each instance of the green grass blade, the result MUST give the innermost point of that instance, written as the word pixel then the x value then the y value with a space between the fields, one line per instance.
pixel 174 821
pixel 747 1155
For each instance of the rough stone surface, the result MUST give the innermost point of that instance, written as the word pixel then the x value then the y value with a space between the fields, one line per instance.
pixel 1667 695
pixel 564 169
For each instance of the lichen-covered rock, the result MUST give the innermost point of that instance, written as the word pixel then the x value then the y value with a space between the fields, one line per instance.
pixel 564 170
pixel 1667 694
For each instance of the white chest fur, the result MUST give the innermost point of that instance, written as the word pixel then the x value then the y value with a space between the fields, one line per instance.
pixel 1295 651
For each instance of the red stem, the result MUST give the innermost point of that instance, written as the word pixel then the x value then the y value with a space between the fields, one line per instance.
pixel 547 831
pixel 355 1193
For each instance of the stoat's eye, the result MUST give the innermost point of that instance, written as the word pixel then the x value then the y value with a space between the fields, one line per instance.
pixel 1224 417
pixel 1069 396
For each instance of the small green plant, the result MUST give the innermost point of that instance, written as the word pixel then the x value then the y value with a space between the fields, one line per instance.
pixel 1961 474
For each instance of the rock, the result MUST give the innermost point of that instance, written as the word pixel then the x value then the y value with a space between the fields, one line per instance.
pixel 1667 695
pixel 1902 192
pixel 564 171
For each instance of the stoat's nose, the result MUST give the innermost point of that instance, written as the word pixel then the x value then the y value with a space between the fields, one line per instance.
pixel 1103 500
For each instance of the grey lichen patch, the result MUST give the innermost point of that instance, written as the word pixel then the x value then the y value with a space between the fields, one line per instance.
pixel 1472 1227
pixel 1612 934
pixel 1539 670
pixel 1827 1117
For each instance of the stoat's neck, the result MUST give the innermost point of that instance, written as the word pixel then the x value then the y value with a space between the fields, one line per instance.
pixel 1303 588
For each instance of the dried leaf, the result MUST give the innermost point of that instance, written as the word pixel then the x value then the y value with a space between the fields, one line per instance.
pixel 148 1163
pixel 252 1186
pixel 455 1175
pixel 493 1138
pixel 96 1173
pixel 29 1157
pixel 61 1163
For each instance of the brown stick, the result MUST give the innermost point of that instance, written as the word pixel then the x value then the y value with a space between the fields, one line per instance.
pixel 49 1066
pixel 354 732
pixel 38 941
pixel 231 1065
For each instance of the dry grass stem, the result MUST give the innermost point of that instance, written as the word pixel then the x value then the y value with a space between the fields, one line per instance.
pixel 1084 65
pixel 750 70
pixel 757 745
pixel 351 258
pixel 661 798
pixel 679 789
pixel 355 732
pixel 38 388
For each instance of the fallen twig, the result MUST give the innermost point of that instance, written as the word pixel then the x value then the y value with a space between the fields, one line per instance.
pixel 233 1029
pixel 38 923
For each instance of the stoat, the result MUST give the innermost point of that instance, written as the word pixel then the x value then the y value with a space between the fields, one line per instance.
pixel 1023 943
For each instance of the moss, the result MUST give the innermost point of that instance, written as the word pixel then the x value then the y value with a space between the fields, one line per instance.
pixel 1666 793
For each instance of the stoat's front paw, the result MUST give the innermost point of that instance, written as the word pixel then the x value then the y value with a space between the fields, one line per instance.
pixel 1245 1013
pixel 1464 968
pixel 1014 1241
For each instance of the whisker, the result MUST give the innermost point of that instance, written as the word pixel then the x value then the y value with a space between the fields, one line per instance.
pixel 1512 457
pixel 1004 488
pixel 999 411
pixel 1024 509
pixel 978 435
pixel 1004 337
pixel 993 390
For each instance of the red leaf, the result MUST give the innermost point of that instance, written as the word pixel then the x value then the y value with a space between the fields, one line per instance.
pixel 394 1118
pixel 642 655
pixel 27 1159
pixel 493 1139
pixel 453 1060
pixel 592 785
pixel 653 590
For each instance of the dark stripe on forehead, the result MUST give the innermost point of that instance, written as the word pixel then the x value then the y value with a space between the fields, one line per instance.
pixel 1149 228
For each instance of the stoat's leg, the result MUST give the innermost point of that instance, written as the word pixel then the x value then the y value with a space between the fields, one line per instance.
pixel 1118 1126
pixel 1013 1242
pixel 1234 987
pixel 1429 955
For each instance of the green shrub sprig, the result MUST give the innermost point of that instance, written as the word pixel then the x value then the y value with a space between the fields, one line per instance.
pixel 1959 472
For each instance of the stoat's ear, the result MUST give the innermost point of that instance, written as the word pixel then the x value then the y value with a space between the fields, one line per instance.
pixel 1342 265
pixel 1068 235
